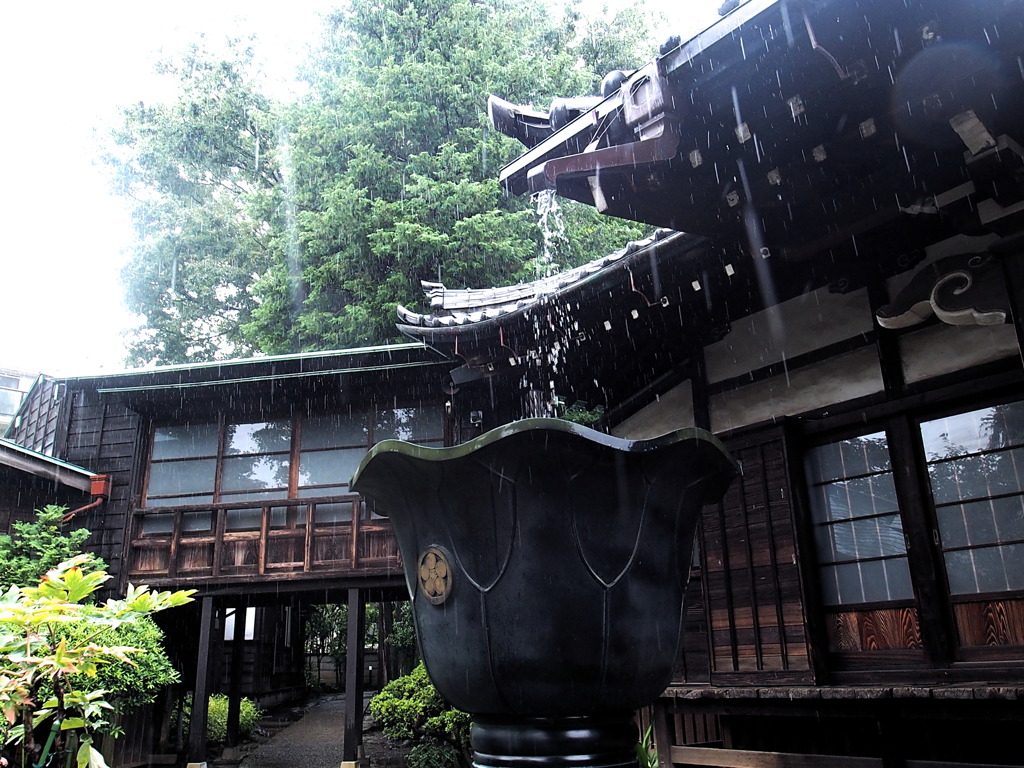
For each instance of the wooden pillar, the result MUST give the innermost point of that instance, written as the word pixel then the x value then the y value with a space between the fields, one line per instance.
pixel 201 690
pixel 235 685
pixel 354 676
pixel 387 652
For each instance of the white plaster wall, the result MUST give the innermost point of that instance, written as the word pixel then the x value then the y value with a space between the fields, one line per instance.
pixel 837 380
pixel 943 349
pixel 671 411
pixel 793 328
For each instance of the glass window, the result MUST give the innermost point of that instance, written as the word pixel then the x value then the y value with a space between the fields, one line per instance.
pixel 411 424
pixel 189 481
pixel 253 461
pixel 335 430
pixel 976 472
pixel 858 534
pixel 186 441
pixel 332 467
pixel 10 401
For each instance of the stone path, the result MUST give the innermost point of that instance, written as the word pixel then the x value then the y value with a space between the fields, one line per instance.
pixel 315 741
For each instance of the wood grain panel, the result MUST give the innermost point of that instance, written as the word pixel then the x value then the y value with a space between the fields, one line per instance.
pixel 876 630
pixel 990 623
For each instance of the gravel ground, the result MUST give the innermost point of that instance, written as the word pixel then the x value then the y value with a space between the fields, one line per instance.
pixel 315 741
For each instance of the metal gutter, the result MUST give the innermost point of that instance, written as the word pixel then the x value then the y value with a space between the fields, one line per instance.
pixel 275 377
pixel 271 359
pixel 38 464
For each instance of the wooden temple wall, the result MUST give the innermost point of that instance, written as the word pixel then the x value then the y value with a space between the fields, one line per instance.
pixel 105 437
pixel 751 575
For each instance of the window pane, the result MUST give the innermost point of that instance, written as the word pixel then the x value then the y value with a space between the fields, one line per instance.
pixel 268 495
pixel 409 423
pixel 335 430
pixel 1000 426
pixel 182 477
pixel 255 472
pixel 329 467
pixel 242 519
pixel 974 457
pixel 259 437
pixel 288 517
pixel 897 577
pixel 850 587
pixel 158 523
pixel 178 501
pixel 858 533
pixel 323 490
pixel 328 514
pixel 196 521
pixel 9 402
pixel 186 441
pixel 872 495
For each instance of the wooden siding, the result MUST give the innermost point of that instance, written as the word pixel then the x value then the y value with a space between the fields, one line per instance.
pixel 104 437
pixel 40 423
pixel 752 582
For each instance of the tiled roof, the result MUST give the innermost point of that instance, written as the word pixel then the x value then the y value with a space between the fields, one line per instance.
pixel 458 307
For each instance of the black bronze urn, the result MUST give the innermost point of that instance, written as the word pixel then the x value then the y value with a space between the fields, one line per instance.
pixel 546 563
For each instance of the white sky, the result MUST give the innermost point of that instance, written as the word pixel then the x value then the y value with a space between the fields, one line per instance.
pixel 66 68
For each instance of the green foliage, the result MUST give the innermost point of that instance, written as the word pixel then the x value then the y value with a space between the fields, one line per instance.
pixel 42 663
pixel 646 754
pixel 429 755
pixel 217 718
pixel 410 707
pixel 283 227
pixel 327 638
pixel 578 413
pixel 36 547
pixel 126 685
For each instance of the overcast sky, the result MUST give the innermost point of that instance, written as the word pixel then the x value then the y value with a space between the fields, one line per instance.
pixel 66 67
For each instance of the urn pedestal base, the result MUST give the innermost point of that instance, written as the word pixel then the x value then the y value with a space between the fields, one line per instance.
pixel 597 741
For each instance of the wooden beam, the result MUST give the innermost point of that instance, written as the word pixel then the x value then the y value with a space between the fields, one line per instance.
pixel 201 690
pixel 741 758
pixel 354 676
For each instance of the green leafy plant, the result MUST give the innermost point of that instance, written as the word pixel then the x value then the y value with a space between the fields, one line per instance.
pixel 578 413
pixel 217 718
pixel 36 546
pixel 646 754
pixel 42 664
pixel 410 707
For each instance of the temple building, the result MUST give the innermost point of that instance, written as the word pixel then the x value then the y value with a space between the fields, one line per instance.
pixel 835 289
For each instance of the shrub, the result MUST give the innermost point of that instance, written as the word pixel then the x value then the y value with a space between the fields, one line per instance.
pixel 217 719
pixel 410 707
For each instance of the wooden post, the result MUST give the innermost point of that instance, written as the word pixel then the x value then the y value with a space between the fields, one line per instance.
pixel 354 676
pixel 201 690
pixel 235 687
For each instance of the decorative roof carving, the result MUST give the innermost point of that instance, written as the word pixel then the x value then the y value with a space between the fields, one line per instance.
pixel 965 289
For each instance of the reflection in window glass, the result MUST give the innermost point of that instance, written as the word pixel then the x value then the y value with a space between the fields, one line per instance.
pixel 334 431
pixel 182 442
pixel 251 473
pixel 861 551
pixel 976 472
pixel 158 523
pixel 332 467
pixel 241 519
pixel 411 424
pixel 188 478
pixel 259 437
